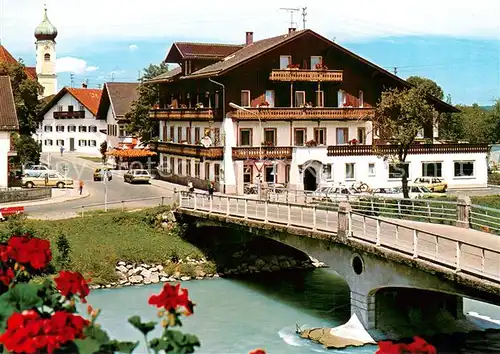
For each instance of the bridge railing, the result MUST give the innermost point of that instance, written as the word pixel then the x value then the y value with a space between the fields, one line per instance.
pixel 121 205
pixel 454 253
pixel 461 213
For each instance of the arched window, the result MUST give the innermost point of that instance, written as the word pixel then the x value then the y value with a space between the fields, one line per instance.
pixel 47 57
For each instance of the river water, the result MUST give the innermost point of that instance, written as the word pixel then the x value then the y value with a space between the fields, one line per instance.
pixel 234 316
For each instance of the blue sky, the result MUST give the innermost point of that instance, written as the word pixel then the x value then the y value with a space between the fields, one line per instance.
pixel 448 41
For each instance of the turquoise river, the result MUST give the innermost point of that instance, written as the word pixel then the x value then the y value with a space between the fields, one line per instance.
pixel 233 316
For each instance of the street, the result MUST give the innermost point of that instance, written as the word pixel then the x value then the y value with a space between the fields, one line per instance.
pixel 117 189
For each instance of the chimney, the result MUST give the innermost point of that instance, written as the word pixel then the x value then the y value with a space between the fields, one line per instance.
pixel 84 85
pixel 249 38
pixel 291 30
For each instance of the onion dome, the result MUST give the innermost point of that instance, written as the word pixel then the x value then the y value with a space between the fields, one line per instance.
pixel 46 30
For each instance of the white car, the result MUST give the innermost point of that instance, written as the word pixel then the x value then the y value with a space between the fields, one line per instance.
pixel 414 192
pixel 36 170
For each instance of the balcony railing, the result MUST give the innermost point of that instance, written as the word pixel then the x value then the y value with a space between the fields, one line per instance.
pixel 196 151
pixel 183 114
pixel 289 75
pixel 324 113
pixel 69 115
pixel 268 152
pixel 421 149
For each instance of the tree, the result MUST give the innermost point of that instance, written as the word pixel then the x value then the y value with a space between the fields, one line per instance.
pixel 428 86
pixel 103 149
pixel 475 124
pixel 399 116
pixel 26 92
pixel 28 149
pixel 140 123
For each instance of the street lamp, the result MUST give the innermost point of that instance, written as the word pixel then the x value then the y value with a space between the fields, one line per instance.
pixel 239 108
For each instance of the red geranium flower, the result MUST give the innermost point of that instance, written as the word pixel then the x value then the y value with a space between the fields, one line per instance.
pixel 6 276
pixel 28 333
pixel 419 345
pixel 388 347
pixel 30 251
pixel 172 297
pixel 258 351
pixel 72 283
pixel 4 254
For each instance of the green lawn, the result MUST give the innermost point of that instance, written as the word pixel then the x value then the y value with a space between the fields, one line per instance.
pixel 91 158
pixel 99 242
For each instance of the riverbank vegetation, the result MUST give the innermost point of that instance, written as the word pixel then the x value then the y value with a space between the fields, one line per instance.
pixel 97 243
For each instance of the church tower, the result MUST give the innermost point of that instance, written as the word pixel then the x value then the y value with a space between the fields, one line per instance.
pixel 45 35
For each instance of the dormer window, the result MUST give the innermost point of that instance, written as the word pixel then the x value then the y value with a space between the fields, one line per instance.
pixel 285 61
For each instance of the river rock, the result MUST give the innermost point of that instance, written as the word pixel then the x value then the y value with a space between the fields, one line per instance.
pixel 159 267
pixel 176 275
pixel 121 263
pixel 134 271
pixel 186 278
pixel 147 281
pixel 129 266
pixel 155 278
pixel 275 268
pixel 285 264
pixel 135 279
pixel 146 273
pixel 122 268
pixel 202 274
pixel 199 278
pixel 164 279
pixel 260 263
pixel 121 276
pixel 122 282
pixel 266 268
pixel 216 275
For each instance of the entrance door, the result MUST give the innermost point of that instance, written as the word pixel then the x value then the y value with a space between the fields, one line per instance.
pixel 71 144
pixel 310 183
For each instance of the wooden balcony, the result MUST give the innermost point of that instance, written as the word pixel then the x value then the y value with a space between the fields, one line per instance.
pixel 268 152
pixel 418 149
pixel 196 151
pixel 325 113
pixel 290 75
pixel 69 115
pixel 202 114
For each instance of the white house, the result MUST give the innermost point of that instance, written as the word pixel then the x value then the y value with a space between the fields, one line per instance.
pixel 116 101
pixel 69 121
pixel 8 125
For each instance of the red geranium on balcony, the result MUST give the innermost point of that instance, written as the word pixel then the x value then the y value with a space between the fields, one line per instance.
pixel 321 66
pixel 293 66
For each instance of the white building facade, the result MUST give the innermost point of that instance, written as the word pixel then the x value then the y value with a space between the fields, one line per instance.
pixel 69 121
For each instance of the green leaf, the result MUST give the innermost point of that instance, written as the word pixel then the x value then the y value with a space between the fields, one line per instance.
pixel 120 347
pixel 23 297
pixel 145 328
pixel 97 333
pixel 160 344
pixel 6 310
pixel 87 345
pixel 181 343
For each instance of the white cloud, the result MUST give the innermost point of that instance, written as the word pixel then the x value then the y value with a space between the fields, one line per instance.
pixel 73 65
pixel 132 47
pixel 146 19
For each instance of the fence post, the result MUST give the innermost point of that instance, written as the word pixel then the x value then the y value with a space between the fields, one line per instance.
pixel 123 206
pixel 459 250
pixel 415 243
pixel 463 211
pixel 377 236
pixel 82 210
pixel 265 210
pixel 314 218
pixel 211 206
pixel 289 207
pixel 344 214
pixel 246 208
pixel 194 201
pixel 227 206
pixel 162 201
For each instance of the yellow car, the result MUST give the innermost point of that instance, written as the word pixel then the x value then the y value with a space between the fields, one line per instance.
pixel 99 173
pixel 50 179
pixel 434 184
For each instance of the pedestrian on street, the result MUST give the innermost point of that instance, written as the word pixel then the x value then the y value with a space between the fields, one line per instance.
pixel 61 149
pixel 80 186
pixel 211 190
pixel 191 187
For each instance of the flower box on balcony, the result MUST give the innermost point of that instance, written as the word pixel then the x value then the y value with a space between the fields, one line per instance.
pixel 311 143
pixel 321 66
pixel 264 104
pixel 293 66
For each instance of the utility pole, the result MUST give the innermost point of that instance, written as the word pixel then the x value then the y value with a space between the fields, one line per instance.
pixel 291 10
pixel 72 79
pixel 139 75
pixel 304 14
pixel 113 77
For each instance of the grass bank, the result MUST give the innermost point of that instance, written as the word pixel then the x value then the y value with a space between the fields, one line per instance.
pixel 91 158
pixel 97 243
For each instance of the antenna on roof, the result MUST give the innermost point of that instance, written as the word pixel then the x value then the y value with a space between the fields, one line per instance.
pixel 395 70
pixel 304 14
pixel 291 10
pixel 112 77
pixel 72 79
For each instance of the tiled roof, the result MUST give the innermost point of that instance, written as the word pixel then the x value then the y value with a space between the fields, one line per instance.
pixel 244 54
pixel 205 50
pixel 121 96
pixel 31 71
pixel 8 115
pixel 168 75
pixel 6 57
pixel 88 97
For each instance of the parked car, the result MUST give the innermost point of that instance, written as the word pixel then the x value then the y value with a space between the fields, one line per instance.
pixel 53 179
pixel 133 176
pixel 415 192
pixel 336 194
pixel 435 184
pixel 34 170
pixel 99 173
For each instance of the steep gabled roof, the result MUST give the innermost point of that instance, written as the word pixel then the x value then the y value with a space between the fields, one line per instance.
pixel 8 114
pixel 187 50
pixel 89 98
pixel 118 95
pixel 6 57
pixel 167 76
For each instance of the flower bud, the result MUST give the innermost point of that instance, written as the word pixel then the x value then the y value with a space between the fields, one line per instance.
pixel 164 323
pixel 89 309
pixel 161 313
pixel 16 266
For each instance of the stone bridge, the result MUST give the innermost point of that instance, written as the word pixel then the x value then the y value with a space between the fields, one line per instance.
pixel 413 264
